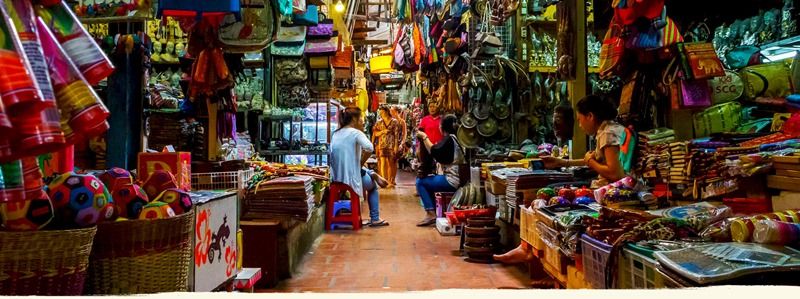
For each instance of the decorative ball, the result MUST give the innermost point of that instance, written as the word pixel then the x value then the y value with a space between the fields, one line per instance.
pixel 558 200
pixel 80 199
pixel 156 210
pixel 584 192
pixel 545 193
pixel 27 215
pixel 130 200
pixel 159 181
pixel 618 195
pixel 567 193
pixel 583 200
pixel 116 178
pixel 177 199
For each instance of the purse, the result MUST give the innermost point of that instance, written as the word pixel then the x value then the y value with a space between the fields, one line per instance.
pixel 294 96
pixel 323 29
pixel 772 80
pixel 700 60
pixel 380 64
pixel 320 47
pixel 612 52
pixel 290 70
pixel 726 88
pixel 343 59
pixel 256 29
pixel 319 62
pixel 308 18
pixel 290 42
pixel 695 93
pixel 717 119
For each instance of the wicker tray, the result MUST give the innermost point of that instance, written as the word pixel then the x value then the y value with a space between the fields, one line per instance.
pixel 142 256
pixel 44 263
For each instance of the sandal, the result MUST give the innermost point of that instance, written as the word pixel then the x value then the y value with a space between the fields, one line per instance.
pixel 379 223
pixel 426 222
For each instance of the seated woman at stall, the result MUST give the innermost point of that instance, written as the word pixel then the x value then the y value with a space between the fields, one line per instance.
pixel 448 153
pixel 611 159
pixel 349 149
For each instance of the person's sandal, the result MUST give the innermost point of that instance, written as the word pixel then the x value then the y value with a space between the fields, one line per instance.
pixel 426 222
pixel 379 223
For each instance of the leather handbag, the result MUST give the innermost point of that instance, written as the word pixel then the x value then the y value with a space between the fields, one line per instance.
pixel 308 18
pixel 289 35
pixel 323 29
pixel 256 29
pixel 700 60
pixel 290 70
pixel 772 80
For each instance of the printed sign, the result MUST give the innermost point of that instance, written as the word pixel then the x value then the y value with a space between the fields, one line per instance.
pixel 215 242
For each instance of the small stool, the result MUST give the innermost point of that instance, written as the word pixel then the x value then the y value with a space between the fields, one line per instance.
pixel 336 192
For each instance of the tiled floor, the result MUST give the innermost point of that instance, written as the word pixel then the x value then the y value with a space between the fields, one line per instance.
pixel 396 258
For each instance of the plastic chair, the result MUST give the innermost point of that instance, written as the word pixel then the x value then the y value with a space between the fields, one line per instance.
pixel 336 192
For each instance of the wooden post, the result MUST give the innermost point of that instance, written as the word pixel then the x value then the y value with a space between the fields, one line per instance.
pixel 577 87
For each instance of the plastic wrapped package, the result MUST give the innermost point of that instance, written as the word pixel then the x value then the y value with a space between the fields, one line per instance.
pixel 36 132
pixel 704 219
pixel 32 177
pixel 80 107
pixel 80 47
pixel 776 232
pixel 18 88
pixel 12 182
pixel 742 228
pixel 718 232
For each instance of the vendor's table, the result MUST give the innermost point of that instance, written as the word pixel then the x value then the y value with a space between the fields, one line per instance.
pixel 215 249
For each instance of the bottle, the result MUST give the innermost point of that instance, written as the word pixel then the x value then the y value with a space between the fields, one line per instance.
pixel 524 52
pixel 524 7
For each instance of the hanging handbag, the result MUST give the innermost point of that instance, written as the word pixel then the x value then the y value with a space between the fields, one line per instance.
pixel 294 96
pixel 308 18
pixel 320 79
pixel 771 80
pixel 319 62
pixel 298 6
pixel 717 119
pixel 284 7
pixel 320 48
pixel 380 64
pixel 343 59
pixel 695 93
pixel 290 42
pixel 700 60
pixel 323 29
pixel 290 70
pixel 256 29
pixel 612 51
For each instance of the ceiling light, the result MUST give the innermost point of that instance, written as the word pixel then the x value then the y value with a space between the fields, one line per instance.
pixel 339 7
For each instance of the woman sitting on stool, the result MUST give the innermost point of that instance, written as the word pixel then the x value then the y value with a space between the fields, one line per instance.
pixel 448 153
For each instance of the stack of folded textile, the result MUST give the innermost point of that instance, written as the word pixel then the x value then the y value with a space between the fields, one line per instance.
pixel 654 152
pixel 285 196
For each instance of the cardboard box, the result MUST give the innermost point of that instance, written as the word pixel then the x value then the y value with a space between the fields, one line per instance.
pixel 446 229
pixel 786 201
pixel 177 163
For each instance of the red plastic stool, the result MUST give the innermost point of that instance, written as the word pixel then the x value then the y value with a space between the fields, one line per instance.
pixel 335 192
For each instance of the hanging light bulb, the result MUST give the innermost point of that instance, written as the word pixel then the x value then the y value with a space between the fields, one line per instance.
pixel 339 6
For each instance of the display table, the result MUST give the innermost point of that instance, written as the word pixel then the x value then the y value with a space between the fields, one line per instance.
pixel 215 249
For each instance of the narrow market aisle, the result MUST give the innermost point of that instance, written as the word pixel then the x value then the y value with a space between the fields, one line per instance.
pixel 396 258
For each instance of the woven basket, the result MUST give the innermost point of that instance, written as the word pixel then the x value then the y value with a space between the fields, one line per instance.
pixel 44 263
pixel 142 256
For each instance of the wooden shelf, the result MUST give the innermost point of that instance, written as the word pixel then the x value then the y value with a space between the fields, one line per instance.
pixel 100 20
pixel 292 153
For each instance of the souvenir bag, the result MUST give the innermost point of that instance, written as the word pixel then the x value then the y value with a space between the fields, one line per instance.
pixel 320 79
pixel 258 26
pixel 612 51
pixel 381 64
pixel 741 57
pixel 771 80
pixel 290 70
pixel 628 12
pixel 343 59
pixel 308 18
pixel 323 29
pixel 727 88
pixel 695 93
pixel 284 7
pixel 320 47
pixel 294 96
pixel 290 42
pixel 319 62
pixel 700 60
pixel 298 6
pixel 717 119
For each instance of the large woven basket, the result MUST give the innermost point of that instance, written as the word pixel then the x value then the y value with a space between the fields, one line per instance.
pixel 142 256
pixel 44 263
